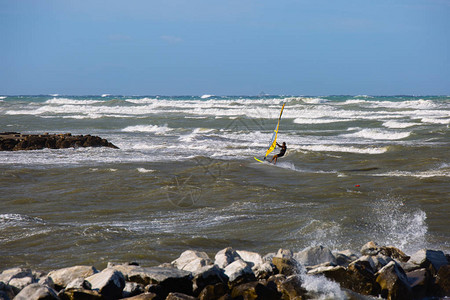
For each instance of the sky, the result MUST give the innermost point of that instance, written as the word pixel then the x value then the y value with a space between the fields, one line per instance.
pixel 226 47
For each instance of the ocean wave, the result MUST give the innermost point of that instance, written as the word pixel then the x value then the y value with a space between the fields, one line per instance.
pixel 399 125
pixel 148 128
pixel 348 149
pixel 377 134
pixel 64 101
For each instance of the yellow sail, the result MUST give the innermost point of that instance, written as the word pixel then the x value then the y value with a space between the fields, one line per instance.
pixel 273 142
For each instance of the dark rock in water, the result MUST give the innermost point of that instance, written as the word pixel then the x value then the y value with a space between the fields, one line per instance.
pixel 13 141
pixel 79 293
pixel 179 296
pixel 394 253
pixel 430 259
pixel 36 291
pixel 166 280
pixel 210 276
pixel 212 292
pixel 361 279
pixel 144 296
pixel 254 290
pixel 394 282
pixel 443 281
pixel 290 287
pixel 419 280
pixel 286 266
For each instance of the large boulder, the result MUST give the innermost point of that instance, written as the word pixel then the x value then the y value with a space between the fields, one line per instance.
pixel 62 277
pixel 6 292
pixel 250 257
pixel 360 278
pixel 79 293
pixel 254 290
pixel 419 280
pixel 213 292
pixel 429 259
pixel 370 248
pixel 192 261
pixel 109 283
pixel 168 279
pixel 286 266
pixel 315 256
pixel 394 282
pixel 210 275
pixel 36 291
pixel 289 287
pixel 443 281
pixel 225 257
pixel 239 269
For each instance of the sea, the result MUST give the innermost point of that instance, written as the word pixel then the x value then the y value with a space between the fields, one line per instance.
pixel 358 168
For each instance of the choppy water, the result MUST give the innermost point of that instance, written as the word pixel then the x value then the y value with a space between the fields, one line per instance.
pixel 184 177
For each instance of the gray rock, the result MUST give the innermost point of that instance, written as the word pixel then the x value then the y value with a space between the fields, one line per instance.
pixel 419 280
pixel 268 257
pixel 225 257
pixel 156 275
pixel 211 275
pixel 315 256
pixel 18 284
pixel 370 248
pixel 132 289
pixel 9 274
pixel 126 269
pixel 284 253
pixel 238 269
pixel 79 283
pixel 36 291
pixel 250 257
pixel 188 257
pixel 62 277
pixel 393 282
pixel 263 271
pixel 429 258
pixel 110 283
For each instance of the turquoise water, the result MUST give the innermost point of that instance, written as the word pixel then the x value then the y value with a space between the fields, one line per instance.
pixel 358 168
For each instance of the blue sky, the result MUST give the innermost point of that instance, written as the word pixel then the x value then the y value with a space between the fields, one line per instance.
pixel 227 47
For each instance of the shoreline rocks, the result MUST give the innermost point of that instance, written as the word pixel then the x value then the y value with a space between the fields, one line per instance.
pixel 14 141
pixel 377 272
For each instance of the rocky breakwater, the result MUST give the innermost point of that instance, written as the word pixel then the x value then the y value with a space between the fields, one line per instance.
pixel 376 272
pixel 14 141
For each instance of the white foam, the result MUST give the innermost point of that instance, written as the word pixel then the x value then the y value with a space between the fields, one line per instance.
pixel 348 149
pixel 159 130
pixel 417 174
pixel 64 101
pixel 143 170
pixel 322 288
pixel 318 121
pixel 2 97
pixel 377 134
pixel 206 96
pixel 399 125
pixel 436 121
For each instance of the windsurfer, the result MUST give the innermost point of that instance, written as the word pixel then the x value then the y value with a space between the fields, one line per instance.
pixel 282 152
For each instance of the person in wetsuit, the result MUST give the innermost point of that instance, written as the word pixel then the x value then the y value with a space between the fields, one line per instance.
pixel 282 152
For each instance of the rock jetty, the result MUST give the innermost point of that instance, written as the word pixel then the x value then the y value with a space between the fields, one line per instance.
pixel 376 272
pixel 14 141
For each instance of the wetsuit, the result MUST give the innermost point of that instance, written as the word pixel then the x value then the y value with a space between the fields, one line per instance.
pixel 282 151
